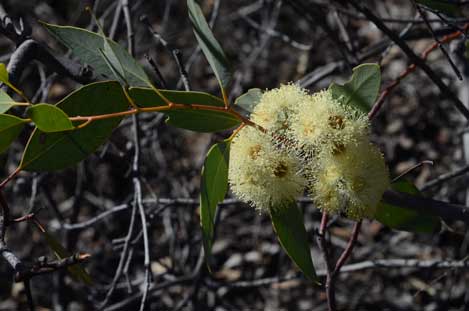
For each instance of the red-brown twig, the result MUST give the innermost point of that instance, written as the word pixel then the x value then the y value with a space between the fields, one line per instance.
pixel 134 111
pixel 330 290
pixel 332 272
pixel 26 217
pixel 348 250
pixel 379 103
pixel 10 177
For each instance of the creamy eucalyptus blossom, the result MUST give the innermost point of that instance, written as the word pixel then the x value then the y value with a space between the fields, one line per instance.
pixel 310 142
pixel 276 108
pixel 351 182
pixel 261 174
pixel 321 122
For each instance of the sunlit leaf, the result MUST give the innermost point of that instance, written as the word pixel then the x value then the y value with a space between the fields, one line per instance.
pixel 6 102
pixel 49 118
pixel 56 151
pixel 361 90
pixel 248 101
pixel 209 45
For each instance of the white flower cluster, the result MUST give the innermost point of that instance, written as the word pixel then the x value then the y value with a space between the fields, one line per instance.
pixel 313 143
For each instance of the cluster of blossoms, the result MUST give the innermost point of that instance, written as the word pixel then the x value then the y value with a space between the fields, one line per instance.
pixel 312 143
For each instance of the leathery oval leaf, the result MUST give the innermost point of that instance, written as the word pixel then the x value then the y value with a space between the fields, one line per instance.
pixel 209 45
pixel 56 151
pixel 10 128
pixel 88 47
pixel 6 102
pixel 213 188
pixel 49 118
pixel 289 226
pixel 198 120
pixel 403 219
pixel 361 90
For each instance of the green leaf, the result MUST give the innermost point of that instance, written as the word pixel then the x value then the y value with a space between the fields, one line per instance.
pixel 441 6
pixel 49 118
pixel 404 219
pixel 110 57
pixel 10 128
pixel 190 119
pixel 361 90
pixel 209 45
pixel 56 151
pixel 60 252
pixel 6 102
pixel 291 232
pixel 248 101
pixel 122 64
pixel 86 46
pixel 4 74
pixel 111 61
pixel 213 188
pixel 201 121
